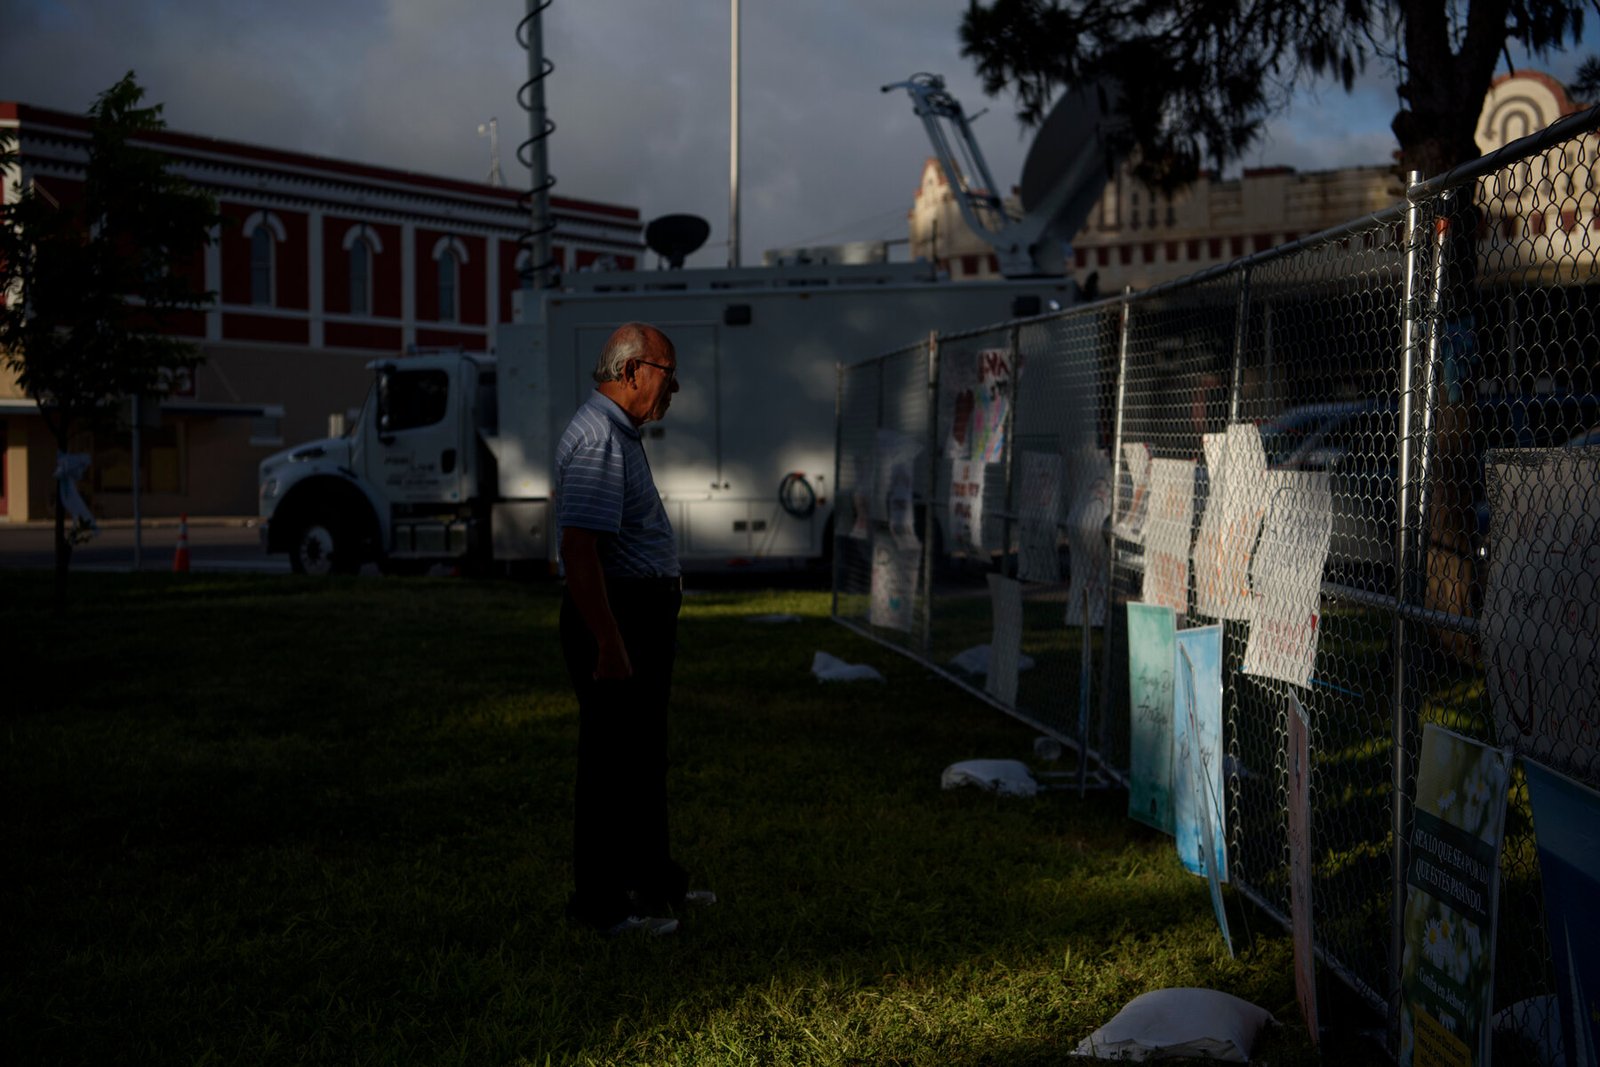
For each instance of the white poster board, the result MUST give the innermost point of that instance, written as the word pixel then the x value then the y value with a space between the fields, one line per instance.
pixel 1236 501
pixel 894 585
pixel 1166 538
pixel 1089 495
pixel 893 502
pixel 1135 503
pixel 965 525
pixel 1286 575
pixel 1541 605
pixel 1005 642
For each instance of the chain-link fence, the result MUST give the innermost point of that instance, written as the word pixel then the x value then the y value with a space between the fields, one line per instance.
pixel 1361 454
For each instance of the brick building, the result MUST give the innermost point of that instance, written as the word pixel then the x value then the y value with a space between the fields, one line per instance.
pixel 321 266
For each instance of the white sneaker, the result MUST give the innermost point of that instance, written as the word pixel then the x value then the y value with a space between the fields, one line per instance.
pixel 649 925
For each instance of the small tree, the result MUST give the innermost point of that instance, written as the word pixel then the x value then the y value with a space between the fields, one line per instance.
pixel 90 282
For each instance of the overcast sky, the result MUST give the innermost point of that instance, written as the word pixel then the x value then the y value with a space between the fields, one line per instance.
pixel 640 93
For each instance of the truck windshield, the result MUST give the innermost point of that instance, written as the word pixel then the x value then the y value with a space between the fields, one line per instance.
pixel 409 399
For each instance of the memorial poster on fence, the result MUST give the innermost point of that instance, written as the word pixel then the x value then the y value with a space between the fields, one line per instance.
pixel 1541 605
pixel 1089 496
pixel 1039 511
pixel 1298 737
pixel 896 459
pixel 958 383
pixel 1152 651
pixel 1005 640
pixel 861 475
pixel 1566 825
pixel 1197 750
pixel 1236 501
pixel 1135 503
pixel 966 504
pixel 894 585
pixel 993 406
pixel 1453 881
pixel 1166 534
pixel 1286 577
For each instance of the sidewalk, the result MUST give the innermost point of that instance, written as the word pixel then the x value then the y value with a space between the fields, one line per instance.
pixel 161 522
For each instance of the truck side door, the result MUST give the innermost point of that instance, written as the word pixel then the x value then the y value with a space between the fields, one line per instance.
pixel 419 455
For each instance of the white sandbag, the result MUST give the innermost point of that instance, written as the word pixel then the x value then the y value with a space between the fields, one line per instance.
pixel 975 660
pixel 833 669
pixel 1008 777
pixel 1179 1022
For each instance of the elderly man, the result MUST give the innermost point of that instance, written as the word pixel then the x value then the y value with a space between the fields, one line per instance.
pixel 619 623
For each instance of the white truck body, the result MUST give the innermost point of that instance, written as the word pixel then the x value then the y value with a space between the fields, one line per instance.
pixel 452 457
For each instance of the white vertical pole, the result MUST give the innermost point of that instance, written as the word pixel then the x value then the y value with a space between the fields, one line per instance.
pixel 733 142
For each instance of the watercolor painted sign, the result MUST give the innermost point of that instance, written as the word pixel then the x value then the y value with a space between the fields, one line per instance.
pixel 1089 489
pixel 894 585
pixel 1039 509
pixel 1236 500
pixel 1453 881
pixel 1566 824
pixel 1541 609
pixel 1152 648
pixel 1286 575
pixel 1197 749
pixel 1300 926
pixel 1005 641
pixel 1166 534
pixel 993 405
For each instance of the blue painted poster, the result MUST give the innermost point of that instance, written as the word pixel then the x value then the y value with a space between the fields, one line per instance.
pixel 1197 748
pixel 1152 648
pixel 1566 823
pixel 1453 882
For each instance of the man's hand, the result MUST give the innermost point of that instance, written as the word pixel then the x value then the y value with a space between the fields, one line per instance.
pixel 587 584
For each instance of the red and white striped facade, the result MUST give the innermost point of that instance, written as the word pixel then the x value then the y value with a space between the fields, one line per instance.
pixel 320 265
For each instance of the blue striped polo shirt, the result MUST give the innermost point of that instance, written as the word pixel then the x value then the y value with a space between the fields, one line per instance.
pixel 603 483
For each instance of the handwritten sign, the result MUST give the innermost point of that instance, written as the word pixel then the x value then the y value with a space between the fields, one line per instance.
pixel 1040 510
pixel 1286 575
pixel 1166 541
pixel 1089 490
pixel 1453 880
pixel 896 457
pixel 1300 924
pixel 1541 607
pixel 1236 500
pixel 958 388
pixel 1152 644
pixel 966 504
pixel 894 585
pixel 1136 503
pixel 1005 642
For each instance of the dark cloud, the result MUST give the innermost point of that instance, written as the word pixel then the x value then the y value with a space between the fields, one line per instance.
pixel 640 94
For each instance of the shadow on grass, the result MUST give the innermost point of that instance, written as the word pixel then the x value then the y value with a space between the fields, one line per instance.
pixel 278 821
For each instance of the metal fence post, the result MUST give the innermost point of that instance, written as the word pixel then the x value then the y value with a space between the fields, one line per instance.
pixel 1111 535
pixel 1241 317
pixel 838 484
pixel 1400 726
pixel 930 493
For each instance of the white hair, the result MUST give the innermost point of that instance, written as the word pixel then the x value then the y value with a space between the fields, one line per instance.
pixel 631 340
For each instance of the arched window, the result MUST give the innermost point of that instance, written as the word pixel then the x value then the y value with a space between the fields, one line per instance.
pixel 449 273
pixel 261 249
pixel 360 278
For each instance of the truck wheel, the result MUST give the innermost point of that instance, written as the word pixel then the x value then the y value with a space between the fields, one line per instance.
pixel 320 548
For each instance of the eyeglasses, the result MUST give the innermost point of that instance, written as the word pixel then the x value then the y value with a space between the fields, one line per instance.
pixel 671 372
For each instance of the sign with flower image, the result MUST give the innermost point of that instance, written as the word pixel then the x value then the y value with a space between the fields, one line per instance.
pixel 1453 880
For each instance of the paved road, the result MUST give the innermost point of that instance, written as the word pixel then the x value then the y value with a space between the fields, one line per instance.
pixel 215 544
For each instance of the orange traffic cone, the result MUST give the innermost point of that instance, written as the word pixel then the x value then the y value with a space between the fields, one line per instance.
pixel 180 558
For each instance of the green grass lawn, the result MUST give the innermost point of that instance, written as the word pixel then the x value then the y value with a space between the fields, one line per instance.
pixel 264 820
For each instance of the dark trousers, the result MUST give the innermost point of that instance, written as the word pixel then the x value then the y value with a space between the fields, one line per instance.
pixel 622 863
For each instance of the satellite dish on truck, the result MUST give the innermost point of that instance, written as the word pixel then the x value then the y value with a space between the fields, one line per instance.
pixel 1065 172
pixel 672 237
